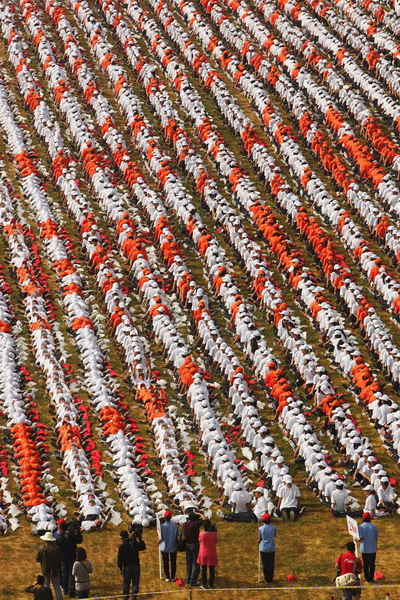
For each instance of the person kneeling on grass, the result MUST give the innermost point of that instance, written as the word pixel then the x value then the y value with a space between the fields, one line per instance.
pixel 38 590
pixel 288 503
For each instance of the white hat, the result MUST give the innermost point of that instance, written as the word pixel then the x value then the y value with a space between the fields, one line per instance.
pixel 368 488
pixel 48 537
pixel 287 479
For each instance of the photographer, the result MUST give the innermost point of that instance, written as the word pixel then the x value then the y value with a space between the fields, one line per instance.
pixel 69 536
pixel 128 560
pixel 39 591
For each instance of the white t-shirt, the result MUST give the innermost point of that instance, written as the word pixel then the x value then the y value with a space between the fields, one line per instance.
pixel 261 507
pixel 289 496
pixel 240 499
pixel 370 503
pixel 339 498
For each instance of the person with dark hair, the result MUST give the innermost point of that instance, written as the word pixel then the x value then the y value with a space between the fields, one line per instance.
pixel 129 561
pixel 191 530
pixel 169 545
pixel 67 538
pixel 49 557
pixel 208 554
pixel 267 535
pixel 349 563
pixel 81 570
pixel 38 590
pixel 368 534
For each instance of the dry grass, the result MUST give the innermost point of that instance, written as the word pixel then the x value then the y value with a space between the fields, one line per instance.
pixel 307 549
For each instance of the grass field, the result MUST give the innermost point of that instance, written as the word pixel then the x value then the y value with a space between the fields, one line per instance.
pixel 307 549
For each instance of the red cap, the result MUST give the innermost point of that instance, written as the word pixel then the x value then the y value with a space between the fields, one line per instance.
pixel 266 518
pixel 60 521
pixel 366 516
pixel 167 514
pixel 260 484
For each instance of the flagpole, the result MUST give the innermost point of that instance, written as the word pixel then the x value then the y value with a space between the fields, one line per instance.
pixel 159 551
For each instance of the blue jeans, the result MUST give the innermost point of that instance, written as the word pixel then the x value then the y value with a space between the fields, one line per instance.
pixel 56 585
pixel 66 576
pixel 192 568
pixel 131 575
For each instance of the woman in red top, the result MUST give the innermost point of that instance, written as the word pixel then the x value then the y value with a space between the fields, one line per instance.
pixel 208 553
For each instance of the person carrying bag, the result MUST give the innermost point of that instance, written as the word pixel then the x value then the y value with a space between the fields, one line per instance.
pixel 349 568
pixel 81 572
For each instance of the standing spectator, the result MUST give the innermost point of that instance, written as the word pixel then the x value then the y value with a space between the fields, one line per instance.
pixel 49 557
pixel 67 539
pixel 81 570
pixel 267 535
pixel 208 553
pixel 168 546
pixel 129 561
pixel 368 534
pixel 287 499
pixel 191 530
pixel 349 563
pixel 39 591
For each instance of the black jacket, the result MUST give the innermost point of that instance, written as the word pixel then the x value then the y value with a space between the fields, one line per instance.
pixel 128 552
pixel 67 542
pixel 40 593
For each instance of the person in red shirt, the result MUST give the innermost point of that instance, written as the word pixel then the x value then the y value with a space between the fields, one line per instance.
pixel 349 563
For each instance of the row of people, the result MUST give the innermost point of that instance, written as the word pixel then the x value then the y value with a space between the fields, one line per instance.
pixel 144 390
pixel 170 22
pixel 113 425
pixel 119 22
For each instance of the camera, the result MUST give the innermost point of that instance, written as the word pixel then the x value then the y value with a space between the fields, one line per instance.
pixel 136 530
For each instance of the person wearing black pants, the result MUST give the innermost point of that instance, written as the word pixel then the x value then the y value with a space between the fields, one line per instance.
pixel 369 559
pixel 67 539
pixel 267 535
pixel 169 559
pixel 204 576
pixel 168 541
pixel 268 563
pixel 368 534
pixel 208 556
pixel 129 561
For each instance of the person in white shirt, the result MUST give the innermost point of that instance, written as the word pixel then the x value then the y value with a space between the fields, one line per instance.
pixel 288 503
pixel 240 500
pixel 262 505
pixel 370 501
pixel 386 496
pixel 339 500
